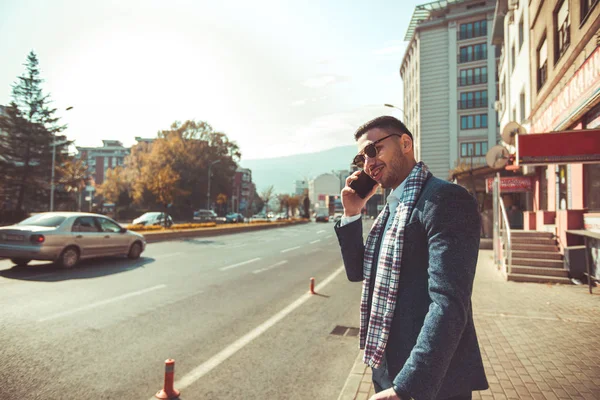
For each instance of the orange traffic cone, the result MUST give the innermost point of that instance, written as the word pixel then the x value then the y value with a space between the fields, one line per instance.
pixel 168 391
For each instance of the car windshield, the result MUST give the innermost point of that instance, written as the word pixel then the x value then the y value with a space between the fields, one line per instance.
pixel 48 220
pixel 150 215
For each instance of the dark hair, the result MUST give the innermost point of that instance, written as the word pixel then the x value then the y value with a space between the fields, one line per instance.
pixel 387 123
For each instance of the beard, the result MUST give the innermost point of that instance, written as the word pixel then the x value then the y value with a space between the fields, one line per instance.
pixel 393 173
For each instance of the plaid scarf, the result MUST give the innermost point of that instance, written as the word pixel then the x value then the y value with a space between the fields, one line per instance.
pixel 375 328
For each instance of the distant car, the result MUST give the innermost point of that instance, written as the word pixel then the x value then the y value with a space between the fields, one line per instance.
pixel 66 238
pixel 205 216
pixel 322 218
pixel 153 218
pixel 234 217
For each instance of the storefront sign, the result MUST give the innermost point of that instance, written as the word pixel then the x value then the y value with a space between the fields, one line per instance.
pixel 591 222
pixel 580 89
pixel 516 184
pixel 581 146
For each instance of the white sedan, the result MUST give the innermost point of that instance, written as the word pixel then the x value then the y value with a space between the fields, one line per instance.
pixel 66 238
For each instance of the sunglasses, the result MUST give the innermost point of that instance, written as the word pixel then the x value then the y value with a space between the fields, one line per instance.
pixel 370 151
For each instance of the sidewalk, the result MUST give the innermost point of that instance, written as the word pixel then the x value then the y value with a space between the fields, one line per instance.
pixel 538 341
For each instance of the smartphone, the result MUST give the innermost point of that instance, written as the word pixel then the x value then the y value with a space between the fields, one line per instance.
pixel 363 185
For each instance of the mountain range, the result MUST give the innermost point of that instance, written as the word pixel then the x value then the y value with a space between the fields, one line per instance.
pixel 282 172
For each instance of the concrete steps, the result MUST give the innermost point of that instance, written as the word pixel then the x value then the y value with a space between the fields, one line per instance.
pixel 536 258
pixel 536 262
pixel 536 255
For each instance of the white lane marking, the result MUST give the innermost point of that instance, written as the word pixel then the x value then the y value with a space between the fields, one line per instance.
pixel 321 231
pixel 258 271
pixel 234 347
pixel 328 236
pixel 290 249
pixel 315 241
pixel 240 264
pixel 237 246
pixel 103 302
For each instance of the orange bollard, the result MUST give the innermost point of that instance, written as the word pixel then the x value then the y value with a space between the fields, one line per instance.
pixel 312 285
pixel 168 391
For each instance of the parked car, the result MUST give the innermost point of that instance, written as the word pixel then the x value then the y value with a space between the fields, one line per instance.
pixel 66 238
pixel 234 217
pixel 322 218
pixel 153 218
pixel 205 216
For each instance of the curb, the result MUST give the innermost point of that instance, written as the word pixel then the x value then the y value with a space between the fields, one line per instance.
pixel 153 237
pixel 358 385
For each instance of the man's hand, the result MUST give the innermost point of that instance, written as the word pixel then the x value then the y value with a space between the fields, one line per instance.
pixel 388 394
pixel 352 202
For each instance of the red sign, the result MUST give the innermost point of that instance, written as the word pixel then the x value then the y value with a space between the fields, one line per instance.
pixel 510 184
pixel 582 146
pixel 578 90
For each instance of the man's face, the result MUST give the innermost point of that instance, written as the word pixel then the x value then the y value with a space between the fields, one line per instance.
pixel 389 166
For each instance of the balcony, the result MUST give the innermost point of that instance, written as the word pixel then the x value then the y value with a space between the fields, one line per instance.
pixel 472 103
pixel 465 58
pixel 472 80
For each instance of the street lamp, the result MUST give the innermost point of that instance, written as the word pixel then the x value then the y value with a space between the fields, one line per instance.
pixel 397 108
pixel 208 191
pixel 54 144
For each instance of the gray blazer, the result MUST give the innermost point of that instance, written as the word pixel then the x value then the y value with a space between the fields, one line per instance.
pixel 432 350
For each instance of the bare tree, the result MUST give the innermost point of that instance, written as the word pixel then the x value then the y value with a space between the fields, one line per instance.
pixel 266 196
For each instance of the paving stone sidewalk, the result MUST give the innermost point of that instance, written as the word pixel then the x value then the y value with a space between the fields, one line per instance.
pixel 538 341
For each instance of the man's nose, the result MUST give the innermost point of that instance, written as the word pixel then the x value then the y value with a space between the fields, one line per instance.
pixel 369 162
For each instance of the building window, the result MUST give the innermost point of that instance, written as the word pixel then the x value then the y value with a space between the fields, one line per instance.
pixel 512 58
pixel 473 149
pixel 472 76
pixel 542 64
pixel 521 33
pixel 522 105
pixel 562 35
pixel 473 121
pixel 477 99
pixel 472 30
pixel 586 7
pixel 472 53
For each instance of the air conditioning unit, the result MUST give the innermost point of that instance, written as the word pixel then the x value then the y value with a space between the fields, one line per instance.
pixel 498 106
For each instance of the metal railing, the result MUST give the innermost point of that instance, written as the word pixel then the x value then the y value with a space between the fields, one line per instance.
pixel 506 238
pixel 502 234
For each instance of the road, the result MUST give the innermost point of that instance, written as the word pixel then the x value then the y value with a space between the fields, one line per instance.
pixel 233 311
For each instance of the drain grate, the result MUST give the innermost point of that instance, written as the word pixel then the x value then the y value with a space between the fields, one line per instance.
pixel 340 330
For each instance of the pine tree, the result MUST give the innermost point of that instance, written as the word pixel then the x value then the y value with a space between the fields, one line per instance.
pixel 29 128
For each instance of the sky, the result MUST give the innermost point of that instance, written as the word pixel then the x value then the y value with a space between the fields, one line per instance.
pixel 278 77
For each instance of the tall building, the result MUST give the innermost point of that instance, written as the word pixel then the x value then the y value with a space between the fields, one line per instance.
pixel 100 159
pixel 320 187
pixel 300 187
pixel 449 77
pixel 242 195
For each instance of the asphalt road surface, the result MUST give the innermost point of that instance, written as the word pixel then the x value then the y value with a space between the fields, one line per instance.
pixel 233 311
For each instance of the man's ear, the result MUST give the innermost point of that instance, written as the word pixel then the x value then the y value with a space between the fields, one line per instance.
pixel 406 143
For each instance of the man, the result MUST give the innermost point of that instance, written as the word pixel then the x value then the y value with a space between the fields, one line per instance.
pixel 417 268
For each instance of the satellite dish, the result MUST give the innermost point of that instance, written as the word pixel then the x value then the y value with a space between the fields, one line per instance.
pixel 497 157
pixel 510 130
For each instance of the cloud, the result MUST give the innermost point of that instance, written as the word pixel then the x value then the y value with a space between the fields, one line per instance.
pixel 324 80
pixel 389 50
pixel 298 103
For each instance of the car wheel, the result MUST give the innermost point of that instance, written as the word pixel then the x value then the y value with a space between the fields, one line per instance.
pixel 20 262
pixel 69 257
pixel 135 251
